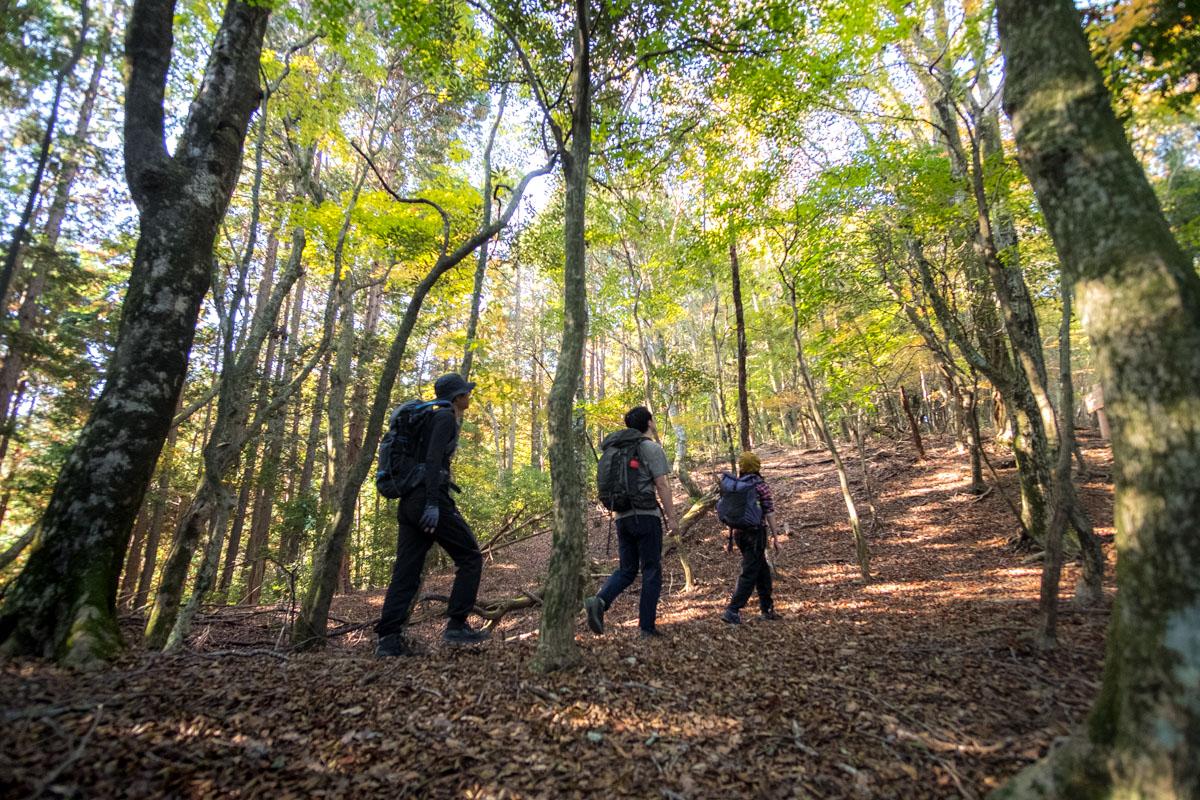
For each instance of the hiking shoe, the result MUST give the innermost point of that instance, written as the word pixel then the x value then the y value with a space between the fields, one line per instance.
pixel 650 633
pixel 465 635
pixel 594 606
pixel 771 613
pixel 393 645
pixel 731 616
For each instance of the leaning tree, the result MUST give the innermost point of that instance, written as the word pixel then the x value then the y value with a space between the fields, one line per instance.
pixel 63 604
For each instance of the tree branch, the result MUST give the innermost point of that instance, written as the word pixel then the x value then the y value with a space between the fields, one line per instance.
pixel 535 85
pixel 410 200
pixel 149 39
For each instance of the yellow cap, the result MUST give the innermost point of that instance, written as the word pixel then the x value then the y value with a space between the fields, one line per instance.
pixel 749 463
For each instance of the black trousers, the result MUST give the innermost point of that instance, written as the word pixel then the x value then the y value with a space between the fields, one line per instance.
pixel 455 537
pixel 756 572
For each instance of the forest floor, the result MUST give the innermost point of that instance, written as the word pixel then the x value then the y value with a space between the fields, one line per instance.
pixel 921 683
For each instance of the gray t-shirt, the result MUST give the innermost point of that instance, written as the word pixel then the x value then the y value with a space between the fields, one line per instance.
pixel 656 465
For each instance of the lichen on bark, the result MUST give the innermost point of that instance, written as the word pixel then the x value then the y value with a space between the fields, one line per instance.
pixel 1139 299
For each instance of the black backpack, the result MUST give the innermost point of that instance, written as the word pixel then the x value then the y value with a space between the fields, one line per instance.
pixel 617 474
pixel 399 452
pixel 739 506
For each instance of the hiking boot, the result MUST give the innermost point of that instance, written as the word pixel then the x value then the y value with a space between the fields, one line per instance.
pixel 594 606
pixel 393 645
pixel 771 613
pixel 650 633
pixel 731 616
pixel 465 634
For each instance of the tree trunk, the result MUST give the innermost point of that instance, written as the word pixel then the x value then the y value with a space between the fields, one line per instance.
pixel 293 532
pixel 913 430
pixel 234 548
pixel 726 430
pixel 133 559
pixel 158 517
pixel 564 581
pixel 740 317
pixel 63 603
pixel 1140 304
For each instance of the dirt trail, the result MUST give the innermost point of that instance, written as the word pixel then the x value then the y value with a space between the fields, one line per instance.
pixel 920 684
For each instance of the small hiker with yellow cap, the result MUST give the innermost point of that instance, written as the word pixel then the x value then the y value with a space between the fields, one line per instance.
pixel 747 507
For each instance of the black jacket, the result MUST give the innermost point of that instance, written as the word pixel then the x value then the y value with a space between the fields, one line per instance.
pixel 441 440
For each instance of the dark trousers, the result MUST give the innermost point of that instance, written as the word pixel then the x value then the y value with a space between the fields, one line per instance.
pixel 455 537
pixel 756 572
pixel 639 543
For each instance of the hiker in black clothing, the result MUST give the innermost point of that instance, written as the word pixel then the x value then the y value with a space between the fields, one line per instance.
pixel 752 542
pixel 640 529
pixel 427 514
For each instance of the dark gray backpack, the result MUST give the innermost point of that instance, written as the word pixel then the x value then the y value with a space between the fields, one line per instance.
pixel 618 480
pixel 400 450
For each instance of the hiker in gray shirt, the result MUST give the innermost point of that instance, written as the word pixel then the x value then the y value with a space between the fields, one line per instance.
pixel 640 526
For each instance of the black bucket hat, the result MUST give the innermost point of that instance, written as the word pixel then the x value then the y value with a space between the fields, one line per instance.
pixel 451 386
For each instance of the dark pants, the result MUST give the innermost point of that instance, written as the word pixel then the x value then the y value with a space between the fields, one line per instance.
pixel 756 572
pixel 455 537
pixel 639 543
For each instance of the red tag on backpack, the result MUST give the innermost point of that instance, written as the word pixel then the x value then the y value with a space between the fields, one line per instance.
pixel 633 463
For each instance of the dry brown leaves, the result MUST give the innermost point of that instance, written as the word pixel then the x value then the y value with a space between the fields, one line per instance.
pixel 920 684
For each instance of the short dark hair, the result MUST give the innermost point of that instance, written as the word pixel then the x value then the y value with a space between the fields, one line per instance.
pixel 638 418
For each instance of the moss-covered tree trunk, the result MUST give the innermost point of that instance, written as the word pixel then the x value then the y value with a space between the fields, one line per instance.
pixel 1139 299
pixel 564 582
pixel 63 603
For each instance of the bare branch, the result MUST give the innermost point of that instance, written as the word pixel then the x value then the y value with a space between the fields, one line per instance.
pixel 411 200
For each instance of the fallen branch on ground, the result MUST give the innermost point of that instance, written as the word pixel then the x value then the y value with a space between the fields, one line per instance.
pixel 493 611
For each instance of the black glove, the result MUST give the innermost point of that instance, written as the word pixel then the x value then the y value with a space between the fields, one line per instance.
pixel 429 520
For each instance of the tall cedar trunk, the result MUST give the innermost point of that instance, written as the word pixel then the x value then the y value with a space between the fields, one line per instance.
pixel 535 415
pixel 64 601
pixel 292 467
pixel 29 313
pixel 1140 304
pixel 309 627
pixel 260 516
pixel 141 561
pixel 21 230
pixel 740 317
pixel 158 519
pixel 133 559
pixel 564 581
pixel 234 548
pixel 270 478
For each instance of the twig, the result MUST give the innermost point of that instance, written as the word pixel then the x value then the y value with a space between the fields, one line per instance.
pixel 1004 494
pixel 259 651
pixel 73 757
